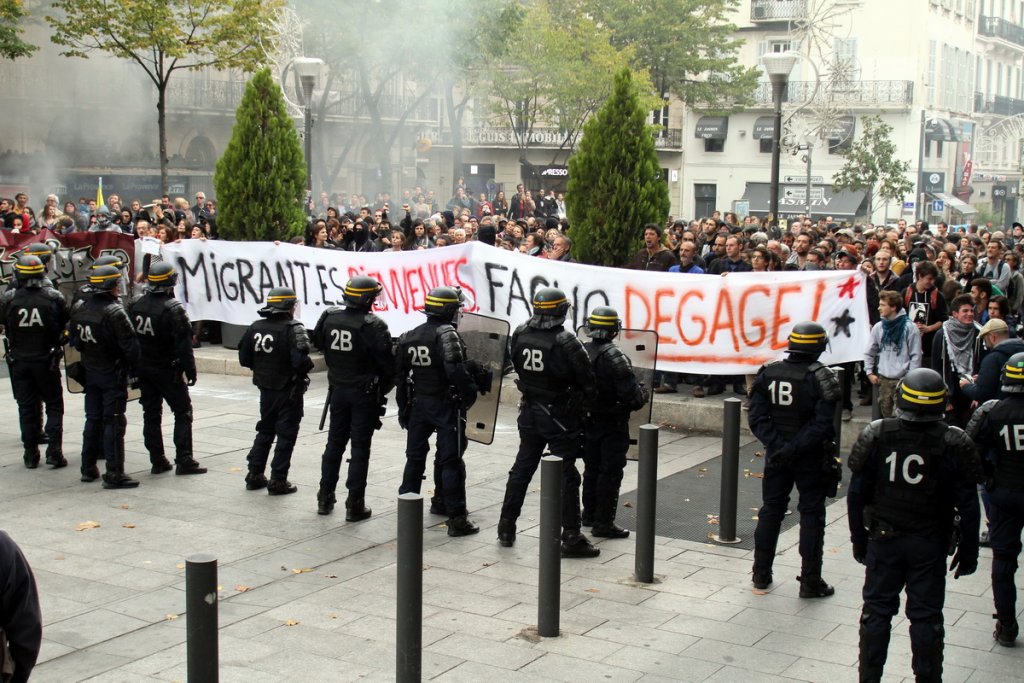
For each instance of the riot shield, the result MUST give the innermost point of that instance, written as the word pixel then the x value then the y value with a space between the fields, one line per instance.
pixel 486 342
pixel 641 347
pixel 72 356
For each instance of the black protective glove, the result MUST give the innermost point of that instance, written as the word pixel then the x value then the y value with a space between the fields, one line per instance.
pixel 860 551
pixel 190 377
pixel 961 566
pixel 403 417
pixel 467 402
pixel 133 381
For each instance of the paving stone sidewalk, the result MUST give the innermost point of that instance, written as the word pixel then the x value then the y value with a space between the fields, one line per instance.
pixel 113 596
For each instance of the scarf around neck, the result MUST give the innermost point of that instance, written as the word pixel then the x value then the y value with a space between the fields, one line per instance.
pixel 959 340
pixel 894 331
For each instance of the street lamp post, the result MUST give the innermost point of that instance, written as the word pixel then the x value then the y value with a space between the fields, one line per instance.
pixel 306 70
pixel 777 65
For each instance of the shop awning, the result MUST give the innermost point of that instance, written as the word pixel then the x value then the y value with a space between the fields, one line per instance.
pixel 793 199
pixel 840 129
pixel 954 203
pixel 712 127
pixel 764 127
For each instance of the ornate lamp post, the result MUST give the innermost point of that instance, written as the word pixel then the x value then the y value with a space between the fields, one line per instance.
pixel 778 65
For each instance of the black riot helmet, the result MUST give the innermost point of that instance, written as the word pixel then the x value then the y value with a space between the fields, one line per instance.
pixel 921 396
pixel 1013 374
pixel 105 278
pixel 808 338
pixel 107 260
pixel 603 323
pixel 280 300
pixel 162 274
pixel 361 291
pixel 41 249
pixel 443 303
pixel 29 268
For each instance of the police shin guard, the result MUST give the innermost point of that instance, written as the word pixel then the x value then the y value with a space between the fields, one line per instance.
pixel 184 462
pixel 55 451
pixel 355 508
pixel 926 643
pixel 115 478
pixel 874 649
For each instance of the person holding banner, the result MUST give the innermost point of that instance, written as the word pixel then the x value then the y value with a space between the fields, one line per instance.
pixel 434 382
pixel 557 381
pixel 792 410
pixel 102 331
pixel 34 317
pixel 276 349
pixel 361 369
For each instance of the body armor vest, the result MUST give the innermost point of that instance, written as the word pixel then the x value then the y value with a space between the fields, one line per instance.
pixel 271 357
pixel 1007 424
pixel 607 401
pixel 348 359
pixel 788 397
pixel 907 477
pixel 532 354
pixel 100 352
pixel 32 324
pixel 421 352
pixel 149 318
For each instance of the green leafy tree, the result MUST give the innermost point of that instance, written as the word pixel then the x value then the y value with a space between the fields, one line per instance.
pixel 11 44
pixel 615 183
pixel 871 165
pixel 166 36
pixel 688 47
pixel 261 178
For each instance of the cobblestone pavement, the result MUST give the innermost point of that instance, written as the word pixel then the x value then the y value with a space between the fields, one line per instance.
pixel 311 598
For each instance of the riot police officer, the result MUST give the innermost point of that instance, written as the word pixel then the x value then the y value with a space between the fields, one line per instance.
pixel 557 382
pixel 361 370
pixel 276 349
pixel 913 477
pixel 86 291
pixel 434 382
pixel 997 428
pixel 165 337
pixel 43 252
pixel 606 435
pixel 102 332
pixel 34 317
pixel 791 412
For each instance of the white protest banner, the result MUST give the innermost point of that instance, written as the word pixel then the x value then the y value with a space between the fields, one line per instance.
pixel 706 324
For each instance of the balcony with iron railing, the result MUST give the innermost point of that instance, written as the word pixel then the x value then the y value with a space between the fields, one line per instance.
pixel 858 94
pixel 996 27
pixel 998 105
pixel 777 10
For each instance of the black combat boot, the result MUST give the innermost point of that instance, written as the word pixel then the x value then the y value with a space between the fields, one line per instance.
pixel 160 464
pixel 355 509
pixel 437 506
pixel 575 544
pixel 325 501
pixel 90 474
pixel 55 457
pixel 281 487
pixel 255 481
pixel 1006 631
pixel 814 587
pixel 116 479
pixel 609 530
pixel 188 466
pixel 588 517
pixel 31 458
pixel 506 532
pixel 461 526
pixel 762 569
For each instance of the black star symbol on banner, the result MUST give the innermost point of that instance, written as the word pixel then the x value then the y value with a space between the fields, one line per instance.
pixel 843 323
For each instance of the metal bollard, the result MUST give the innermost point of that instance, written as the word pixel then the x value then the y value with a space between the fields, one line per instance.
pixel 409 636
pixel 550 573
pixel 876 405
pixel 201 618
pixel 646 503
pixel 728 496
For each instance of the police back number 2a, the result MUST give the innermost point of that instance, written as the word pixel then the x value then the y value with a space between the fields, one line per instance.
pixel 781 393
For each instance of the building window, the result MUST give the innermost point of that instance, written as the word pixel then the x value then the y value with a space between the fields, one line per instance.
pixel 712 145
pixel 765 145
pixel 705 198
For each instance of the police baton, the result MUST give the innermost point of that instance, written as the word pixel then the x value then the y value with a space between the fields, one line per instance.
pixel 327 406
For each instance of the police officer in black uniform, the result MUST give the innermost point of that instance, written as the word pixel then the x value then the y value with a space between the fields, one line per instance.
pixel 102 332
pixel 913 476
pixel 997 428
pixel 434 383
pixel 792 408
pixel 43 252
pixel 86 291
pixel 169 369
pixel 557 383
pixel 361 371
pixel 606 434
pixel 276 349
pixel 34 317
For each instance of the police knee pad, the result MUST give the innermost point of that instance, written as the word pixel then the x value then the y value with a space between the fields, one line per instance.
pixel 185 415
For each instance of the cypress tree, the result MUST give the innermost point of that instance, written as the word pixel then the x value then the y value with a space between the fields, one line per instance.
pixel 261 178
pixel 615 183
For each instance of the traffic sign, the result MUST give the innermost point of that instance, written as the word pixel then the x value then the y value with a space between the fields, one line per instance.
pixel 938 206
pixel 803 179
pixel 908 205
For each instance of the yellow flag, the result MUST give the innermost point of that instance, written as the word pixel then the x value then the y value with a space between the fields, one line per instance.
pixel 99 193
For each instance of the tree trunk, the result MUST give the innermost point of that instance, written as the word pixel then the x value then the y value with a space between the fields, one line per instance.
pixel 161 124
pixel 455 123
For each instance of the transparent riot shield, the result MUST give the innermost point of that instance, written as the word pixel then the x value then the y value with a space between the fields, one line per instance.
pixel 72 356
pixel 641 347
pixel 486 342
